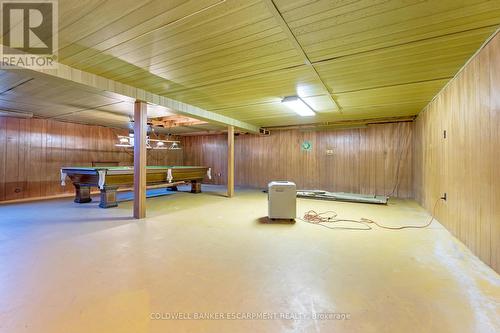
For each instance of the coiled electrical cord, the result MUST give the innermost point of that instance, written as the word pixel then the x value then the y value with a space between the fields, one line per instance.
pixel 330 217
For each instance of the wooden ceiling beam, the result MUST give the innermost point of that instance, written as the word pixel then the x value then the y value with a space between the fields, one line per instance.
pixel 173 123
pixel 344 123
pixel 180 119
pixel 286 29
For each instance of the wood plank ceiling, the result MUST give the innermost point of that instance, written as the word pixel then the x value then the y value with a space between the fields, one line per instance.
pixel 382 58
pixel 57 99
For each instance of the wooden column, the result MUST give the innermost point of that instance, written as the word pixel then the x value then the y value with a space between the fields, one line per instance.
pixel 230 161
pixel 140 133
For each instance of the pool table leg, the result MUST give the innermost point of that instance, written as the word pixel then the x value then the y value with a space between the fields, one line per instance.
pixel 82 194
pixel 108 197
pixel 195 186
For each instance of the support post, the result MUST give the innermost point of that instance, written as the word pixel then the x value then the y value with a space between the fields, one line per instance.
pixel 230 161
pixel 82 194
pixel 140 132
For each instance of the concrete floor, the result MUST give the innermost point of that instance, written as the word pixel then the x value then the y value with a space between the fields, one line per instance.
pixel 77 268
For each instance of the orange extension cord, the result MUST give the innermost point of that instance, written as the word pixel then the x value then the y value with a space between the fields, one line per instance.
pixel 331 217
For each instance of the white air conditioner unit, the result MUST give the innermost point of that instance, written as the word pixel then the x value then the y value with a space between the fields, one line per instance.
pixel 282 200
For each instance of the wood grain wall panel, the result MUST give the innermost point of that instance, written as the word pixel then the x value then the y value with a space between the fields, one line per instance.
pixel 210 151
pixel 365 160
pixel 494 73
pixel 32 151
pixel 464 165
pixel 485 149
pixel 12 155
pixel 53 157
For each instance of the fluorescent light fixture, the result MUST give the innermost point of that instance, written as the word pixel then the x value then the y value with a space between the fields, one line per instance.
pixel 298 106
pixel 128 142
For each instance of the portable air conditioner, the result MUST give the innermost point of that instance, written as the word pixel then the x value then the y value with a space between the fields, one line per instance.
pixel 282 200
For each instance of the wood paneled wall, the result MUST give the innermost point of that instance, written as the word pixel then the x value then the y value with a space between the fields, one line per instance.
pixel 465 164
pixel 32 151
pixel 366 160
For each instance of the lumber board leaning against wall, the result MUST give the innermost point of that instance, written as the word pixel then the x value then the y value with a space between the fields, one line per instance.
pixel 32 151
pixel 364 160
pixel 465 164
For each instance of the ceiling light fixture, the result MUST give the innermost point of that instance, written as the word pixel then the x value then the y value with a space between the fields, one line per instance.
pixel 298 105
pixel 128 142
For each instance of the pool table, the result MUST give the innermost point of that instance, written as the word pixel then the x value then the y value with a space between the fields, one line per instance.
pixel 108 179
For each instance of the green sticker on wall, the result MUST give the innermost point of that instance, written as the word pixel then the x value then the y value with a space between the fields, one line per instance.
pixel 306 146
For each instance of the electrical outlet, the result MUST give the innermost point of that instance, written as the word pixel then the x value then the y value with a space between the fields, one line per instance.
pixel 444 197
pixel 329 152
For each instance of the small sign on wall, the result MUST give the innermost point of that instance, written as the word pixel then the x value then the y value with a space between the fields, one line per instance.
pixel 306 146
